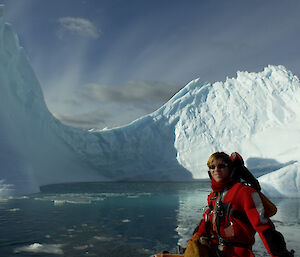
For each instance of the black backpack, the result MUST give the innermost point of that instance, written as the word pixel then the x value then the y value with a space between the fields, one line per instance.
pixel 241 172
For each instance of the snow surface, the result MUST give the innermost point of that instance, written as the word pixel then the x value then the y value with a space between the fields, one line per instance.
pixel 255 114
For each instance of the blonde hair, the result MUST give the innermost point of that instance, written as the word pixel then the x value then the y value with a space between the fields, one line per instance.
pixel 219 156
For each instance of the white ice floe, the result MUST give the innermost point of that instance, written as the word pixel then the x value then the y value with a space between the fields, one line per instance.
pixel 41 248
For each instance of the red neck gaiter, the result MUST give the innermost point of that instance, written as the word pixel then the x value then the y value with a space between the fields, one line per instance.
pixel 219 186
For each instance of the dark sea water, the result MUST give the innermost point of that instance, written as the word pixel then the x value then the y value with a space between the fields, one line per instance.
pixel 94 219
pixel 115 219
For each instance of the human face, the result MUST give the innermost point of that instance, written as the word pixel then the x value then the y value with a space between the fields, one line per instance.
pixel 219 171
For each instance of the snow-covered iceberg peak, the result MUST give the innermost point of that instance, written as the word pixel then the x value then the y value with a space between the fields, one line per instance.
pixel 256 114
pixel 244 114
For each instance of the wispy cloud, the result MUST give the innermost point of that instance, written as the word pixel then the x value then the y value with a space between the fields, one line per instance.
pixel 135 91
pixel 77 26
pixel 93 119
pixel 99 106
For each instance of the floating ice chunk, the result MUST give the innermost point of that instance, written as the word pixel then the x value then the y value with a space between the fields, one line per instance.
pixel 41 248
pixel 103 238
pixel 14 209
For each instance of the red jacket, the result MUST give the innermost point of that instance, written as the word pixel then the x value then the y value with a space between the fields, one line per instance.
pixel 240 218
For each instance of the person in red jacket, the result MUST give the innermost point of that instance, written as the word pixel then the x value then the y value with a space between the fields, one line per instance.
pixel 236 211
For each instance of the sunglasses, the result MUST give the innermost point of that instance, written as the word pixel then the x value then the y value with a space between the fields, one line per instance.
pixel 220 166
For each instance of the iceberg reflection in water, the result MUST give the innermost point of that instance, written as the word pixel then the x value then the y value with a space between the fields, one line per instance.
pixel 114 219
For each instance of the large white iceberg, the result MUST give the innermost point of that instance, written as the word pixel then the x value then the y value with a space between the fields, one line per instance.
pixel 255 114
pixel 282 183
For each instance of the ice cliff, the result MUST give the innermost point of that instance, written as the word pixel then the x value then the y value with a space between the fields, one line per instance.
pixel 256 114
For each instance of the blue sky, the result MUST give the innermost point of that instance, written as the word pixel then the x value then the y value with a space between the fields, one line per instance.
pixel 106 63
